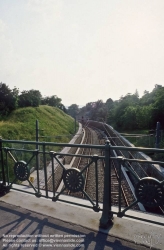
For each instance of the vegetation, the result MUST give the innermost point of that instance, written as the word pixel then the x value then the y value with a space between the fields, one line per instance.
pixel 11 100
pixel 129 112
pixel 54 126
pixel 19 111
pixel 73 110
pixel 140 138
pixel 20 124
pixel 144 139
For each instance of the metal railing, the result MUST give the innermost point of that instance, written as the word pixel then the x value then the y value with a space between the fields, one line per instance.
pixel 148 191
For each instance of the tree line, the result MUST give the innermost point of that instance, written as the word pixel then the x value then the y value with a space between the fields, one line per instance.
pixel 11 99
pixel 128 113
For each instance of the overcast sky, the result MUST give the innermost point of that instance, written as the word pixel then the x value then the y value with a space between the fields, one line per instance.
pixel 82 50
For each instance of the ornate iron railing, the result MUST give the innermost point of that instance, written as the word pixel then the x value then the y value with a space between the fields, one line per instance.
pixel 148 191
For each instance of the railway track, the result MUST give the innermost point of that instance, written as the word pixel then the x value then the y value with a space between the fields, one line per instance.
pixel 140 171
pixel 127 196
pixel 95 136
pixel 81 162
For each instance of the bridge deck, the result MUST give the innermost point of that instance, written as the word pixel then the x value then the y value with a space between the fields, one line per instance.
pixel 34 220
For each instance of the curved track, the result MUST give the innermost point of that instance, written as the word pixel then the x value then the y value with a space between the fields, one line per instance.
pixel 141 170
pixel 95 136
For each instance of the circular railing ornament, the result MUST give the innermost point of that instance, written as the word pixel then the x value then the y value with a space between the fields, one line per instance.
pixel 73 180
pixel 149 192
pixel 21 170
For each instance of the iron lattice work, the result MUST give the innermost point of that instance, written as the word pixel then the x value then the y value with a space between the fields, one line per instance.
pixel 149 192
pixel 73 180
pixel 21 170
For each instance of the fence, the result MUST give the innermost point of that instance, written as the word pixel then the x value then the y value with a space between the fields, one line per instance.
pixel 148 191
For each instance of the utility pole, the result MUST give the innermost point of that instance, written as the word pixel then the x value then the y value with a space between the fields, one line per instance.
pixel 157 135
pixel 37 133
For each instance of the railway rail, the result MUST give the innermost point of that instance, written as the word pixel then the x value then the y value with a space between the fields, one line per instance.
pixel 138 169
pixel 95 136
pixel 103 175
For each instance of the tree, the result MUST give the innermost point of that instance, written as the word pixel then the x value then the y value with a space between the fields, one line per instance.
pixel 53 101
pixel 121 110
pixel 158 106
pixel 62 107
pixel 109 110
pixel 8 99
pixel 73 110
pixel 129 118
pixel 31 98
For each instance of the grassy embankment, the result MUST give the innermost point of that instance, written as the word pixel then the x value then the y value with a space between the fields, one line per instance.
pixel 21 125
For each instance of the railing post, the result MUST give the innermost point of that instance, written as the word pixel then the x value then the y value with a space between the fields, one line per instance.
pixel 107 215
pixel 2 164
pixel 37 145
pixel 3 188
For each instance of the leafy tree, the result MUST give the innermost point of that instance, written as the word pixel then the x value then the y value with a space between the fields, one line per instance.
pixel 31 98
pixel 109 105
pixel 94 111
pixel 158 106
pixel 73 110
pixel 100 111
pixel 129 118
pixel 87 111
pixel 54 101
pixel 121 111
pixel 15 97
pixel 8 99
pixel 149 98
pixel 62 107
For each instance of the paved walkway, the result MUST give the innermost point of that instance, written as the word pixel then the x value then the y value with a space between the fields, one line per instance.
pixel 23 229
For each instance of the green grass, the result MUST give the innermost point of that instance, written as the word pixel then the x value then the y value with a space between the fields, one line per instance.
pixel 20 124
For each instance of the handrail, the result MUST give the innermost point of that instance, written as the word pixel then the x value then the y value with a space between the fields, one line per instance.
pixel 73 179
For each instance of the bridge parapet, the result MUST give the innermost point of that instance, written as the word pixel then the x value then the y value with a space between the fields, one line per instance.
pixel 148 191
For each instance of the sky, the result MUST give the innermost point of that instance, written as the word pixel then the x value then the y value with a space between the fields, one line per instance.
pixel 82 50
